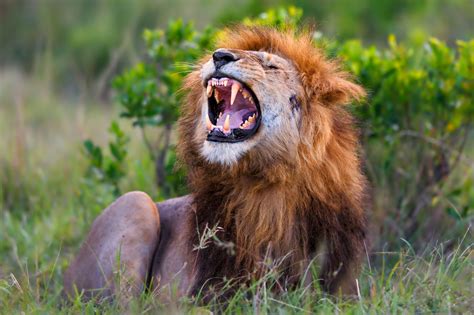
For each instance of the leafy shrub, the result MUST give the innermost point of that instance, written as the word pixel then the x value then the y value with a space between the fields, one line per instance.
pixel 148 95
pixel 108 169
pixel 415 123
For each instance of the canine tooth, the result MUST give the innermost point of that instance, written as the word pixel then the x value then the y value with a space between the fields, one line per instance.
pixel 235 88
pixel 227 123
pixel 216 95
pixel 209 124
pixel 209 90
pixel 252 118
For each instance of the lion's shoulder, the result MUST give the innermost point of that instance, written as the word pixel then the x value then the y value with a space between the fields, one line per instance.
pixel 175 208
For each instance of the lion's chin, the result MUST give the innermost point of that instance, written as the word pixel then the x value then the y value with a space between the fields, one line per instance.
pixel 224 153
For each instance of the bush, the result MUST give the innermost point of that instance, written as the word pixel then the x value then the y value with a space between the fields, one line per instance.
pixel 416 121
pixel 415 126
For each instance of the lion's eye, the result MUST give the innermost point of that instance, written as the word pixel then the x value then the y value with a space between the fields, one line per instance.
pixel 270 66
pixel 267 61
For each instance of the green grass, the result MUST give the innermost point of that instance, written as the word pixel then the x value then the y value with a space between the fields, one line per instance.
pixel 47 206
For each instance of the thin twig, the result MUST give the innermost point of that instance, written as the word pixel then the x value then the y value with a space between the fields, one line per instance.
pixel 439 143
pixel 147 142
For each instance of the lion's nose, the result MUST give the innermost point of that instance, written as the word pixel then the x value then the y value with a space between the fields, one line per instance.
pixel 222 57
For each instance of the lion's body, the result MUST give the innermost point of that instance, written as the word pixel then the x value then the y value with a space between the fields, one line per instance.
pixel 293 190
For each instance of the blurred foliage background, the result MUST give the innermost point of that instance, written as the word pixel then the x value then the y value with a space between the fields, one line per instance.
pixel 79 45
pixel 88 106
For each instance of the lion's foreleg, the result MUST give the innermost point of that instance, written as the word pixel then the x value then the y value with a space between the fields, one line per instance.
pixel 117 254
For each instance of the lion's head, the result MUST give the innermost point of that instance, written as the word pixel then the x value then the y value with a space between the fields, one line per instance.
pixel 250 104
pixel 264 93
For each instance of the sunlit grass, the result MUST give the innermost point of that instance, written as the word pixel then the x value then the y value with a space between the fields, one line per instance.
pixel 432 283
pixel 46 208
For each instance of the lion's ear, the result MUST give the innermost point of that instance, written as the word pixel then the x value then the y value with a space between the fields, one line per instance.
pixel 339 90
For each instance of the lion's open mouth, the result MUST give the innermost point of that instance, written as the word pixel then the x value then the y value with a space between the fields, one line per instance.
pixel 234 112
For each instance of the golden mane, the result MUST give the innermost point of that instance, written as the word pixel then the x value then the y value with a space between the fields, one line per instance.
pixel 271 206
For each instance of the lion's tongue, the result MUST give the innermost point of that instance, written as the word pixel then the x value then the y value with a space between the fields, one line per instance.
pixel 236 118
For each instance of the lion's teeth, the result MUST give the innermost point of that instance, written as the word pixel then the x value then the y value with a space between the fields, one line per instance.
pixel 252 118
pixel 209 90
pixel 209 124
pixel 235 88
pixel 216 95
pixel 227 124
pixel 223 81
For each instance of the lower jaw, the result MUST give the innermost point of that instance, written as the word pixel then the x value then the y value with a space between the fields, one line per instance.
pixel 225 139
pixel 235 136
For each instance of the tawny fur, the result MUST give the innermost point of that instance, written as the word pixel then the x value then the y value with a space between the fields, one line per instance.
pixel 285 206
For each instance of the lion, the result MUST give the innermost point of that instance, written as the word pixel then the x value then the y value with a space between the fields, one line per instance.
pixel 275 174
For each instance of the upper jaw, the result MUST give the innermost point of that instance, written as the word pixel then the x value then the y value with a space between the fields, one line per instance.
pixel 218 74
pixel 233 113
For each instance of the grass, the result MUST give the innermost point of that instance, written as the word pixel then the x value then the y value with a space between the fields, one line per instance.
pixel 47 206
pixel 433 283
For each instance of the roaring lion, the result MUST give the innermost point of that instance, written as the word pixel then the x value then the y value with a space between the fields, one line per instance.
pixel 275 176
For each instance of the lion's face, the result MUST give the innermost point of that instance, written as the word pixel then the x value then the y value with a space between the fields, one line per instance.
pixel 249 103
